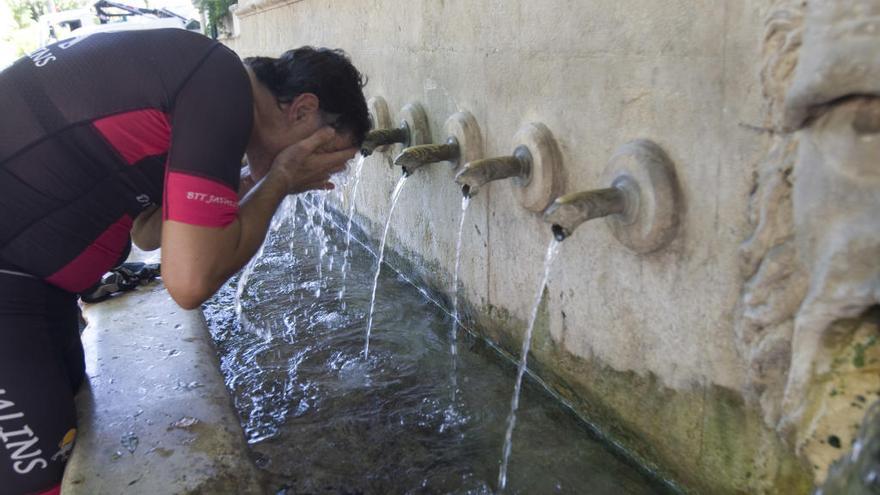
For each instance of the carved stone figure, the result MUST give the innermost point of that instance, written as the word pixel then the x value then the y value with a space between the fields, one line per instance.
pixel 812 265
pixel 775 283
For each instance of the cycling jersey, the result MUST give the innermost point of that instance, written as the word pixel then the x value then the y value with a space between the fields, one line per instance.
pixel 96 129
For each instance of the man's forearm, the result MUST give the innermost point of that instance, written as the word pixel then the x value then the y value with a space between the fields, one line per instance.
pixel 255 213
pixel 196 261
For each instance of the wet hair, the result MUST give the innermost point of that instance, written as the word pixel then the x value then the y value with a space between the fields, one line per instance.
pixel 328 74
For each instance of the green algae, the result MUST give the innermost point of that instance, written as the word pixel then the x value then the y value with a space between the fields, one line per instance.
pixel 706 438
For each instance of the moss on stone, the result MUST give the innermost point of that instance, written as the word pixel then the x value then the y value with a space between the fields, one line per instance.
pixel 706 438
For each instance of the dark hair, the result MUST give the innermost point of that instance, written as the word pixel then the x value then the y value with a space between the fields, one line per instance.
pixel 329 74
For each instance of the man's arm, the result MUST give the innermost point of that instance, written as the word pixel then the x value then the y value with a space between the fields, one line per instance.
pixel 197 260
pixel 146 232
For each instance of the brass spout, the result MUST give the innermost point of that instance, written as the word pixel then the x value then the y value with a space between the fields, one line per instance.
pixel 416 157
pixel 477 174
pixel 384 137
pixel 571 210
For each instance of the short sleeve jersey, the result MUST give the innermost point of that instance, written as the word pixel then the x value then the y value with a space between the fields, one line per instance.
pixel 96 129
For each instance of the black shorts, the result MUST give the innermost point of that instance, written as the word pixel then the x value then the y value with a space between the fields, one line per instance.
pixel 41 368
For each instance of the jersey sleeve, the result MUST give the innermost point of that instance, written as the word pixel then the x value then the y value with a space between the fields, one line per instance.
pixel 211 124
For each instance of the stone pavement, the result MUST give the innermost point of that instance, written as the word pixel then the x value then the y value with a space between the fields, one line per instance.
pixel 154 415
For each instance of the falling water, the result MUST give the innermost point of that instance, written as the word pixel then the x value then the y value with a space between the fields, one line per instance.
pixel 309 208
pixel 552 249
pixel 464 205
pixel 453 347
pixel 394 196
pixel 242 283
pixel 345 257
pixel 274 225
pixel 322 236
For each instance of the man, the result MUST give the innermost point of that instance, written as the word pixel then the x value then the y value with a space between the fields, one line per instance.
pixel 95 134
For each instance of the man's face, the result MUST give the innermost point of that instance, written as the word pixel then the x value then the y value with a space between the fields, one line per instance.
pixel 297 129
pixel 343 140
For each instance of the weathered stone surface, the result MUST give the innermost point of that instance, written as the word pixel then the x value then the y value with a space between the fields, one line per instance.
pixel 811 263
pixel 775 283
pixel 838 240
pixel 841 393
pixel 839 57
pixel 154 415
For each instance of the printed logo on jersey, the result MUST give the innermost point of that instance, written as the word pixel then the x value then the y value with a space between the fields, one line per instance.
pixel 43 56
pixel 211 199
pixel 199 200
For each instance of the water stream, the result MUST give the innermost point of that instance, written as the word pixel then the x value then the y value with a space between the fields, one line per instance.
pixel 453 340
pixel 322 205
pixel 352 201
pixel 394 197
pixel 243 279
pixel 552 250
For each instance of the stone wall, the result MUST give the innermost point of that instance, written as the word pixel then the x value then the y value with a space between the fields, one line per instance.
pixel 682 355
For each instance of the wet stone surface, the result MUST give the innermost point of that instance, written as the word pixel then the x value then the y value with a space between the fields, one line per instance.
pixel 154 415
pixel 410 419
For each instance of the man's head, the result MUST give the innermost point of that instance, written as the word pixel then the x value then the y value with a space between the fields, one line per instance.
pixel 311 88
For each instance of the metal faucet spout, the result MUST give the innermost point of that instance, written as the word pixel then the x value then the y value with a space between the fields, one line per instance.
pixel 571 210
pixel 383 137
pixel 416 157
pixel 477 174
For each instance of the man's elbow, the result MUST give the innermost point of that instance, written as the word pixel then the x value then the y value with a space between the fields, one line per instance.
pixel 188 294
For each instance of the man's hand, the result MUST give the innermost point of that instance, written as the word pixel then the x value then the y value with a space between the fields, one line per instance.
pixel 308 164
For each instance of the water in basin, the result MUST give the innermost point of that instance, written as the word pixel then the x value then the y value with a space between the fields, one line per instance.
pixel 321 419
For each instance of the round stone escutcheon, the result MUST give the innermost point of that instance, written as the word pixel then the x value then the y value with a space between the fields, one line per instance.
pixel 414 117
pixel 464 128
pixel 379 113
pixel 544 181
pixel 646 174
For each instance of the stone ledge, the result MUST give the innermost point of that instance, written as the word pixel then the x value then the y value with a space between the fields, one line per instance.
pixel 245 8
pixel 154 414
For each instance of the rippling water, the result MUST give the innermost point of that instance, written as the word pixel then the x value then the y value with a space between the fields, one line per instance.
pixel 321 419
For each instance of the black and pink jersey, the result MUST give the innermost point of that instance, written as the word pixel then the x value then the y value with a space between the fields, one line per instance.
pixel 94 130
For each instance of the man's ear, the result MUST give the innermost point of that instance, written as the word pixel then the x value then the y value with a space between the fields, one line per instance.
pixel 302 107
